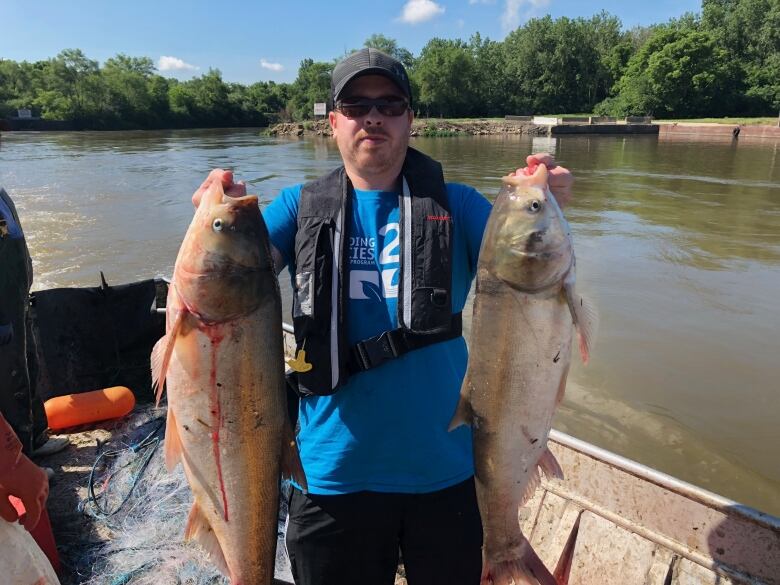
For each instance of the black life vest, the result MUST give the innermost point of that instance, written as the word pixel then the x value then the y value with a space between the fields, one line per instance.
pixel 321 276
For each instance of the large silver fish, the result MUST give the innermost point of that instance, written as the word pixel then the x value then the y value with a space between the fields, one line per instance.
pixel 222 362
pixel 525 314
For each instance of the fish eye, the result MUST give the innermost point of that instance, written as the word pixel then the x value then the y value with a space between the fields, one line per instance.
pixel 535 206
pixel 217 225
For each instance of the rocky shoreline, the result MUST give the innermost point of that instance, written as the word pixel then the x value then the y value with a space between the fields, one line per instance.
pixel 425 127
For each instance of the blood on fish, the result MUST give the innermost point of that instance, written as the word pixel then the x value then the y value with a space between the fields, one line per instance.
pixel 216 337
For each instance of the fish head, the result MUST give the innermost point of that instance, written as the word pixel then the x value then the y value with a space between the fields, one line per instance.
pixel 528 241
pixel 224 258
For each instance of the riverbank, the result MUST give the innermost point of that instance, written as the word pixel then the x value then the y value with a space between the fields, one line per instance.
pixel 429 127
pixel 440 127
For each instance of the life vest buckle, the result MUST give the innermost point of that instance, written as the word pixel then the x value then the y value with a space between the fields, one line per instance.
pixel 375 351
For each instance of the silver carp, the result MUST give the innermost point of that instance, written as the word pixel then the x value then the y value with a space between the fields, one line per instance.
pixel 222 362
pixel 525 313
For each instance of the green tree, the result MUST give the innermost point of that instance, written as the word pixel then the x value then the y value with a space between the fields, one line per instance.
pixel 679 72
pixel 490 87
pixel 312 85
pixel 749 30
pixel 553 66
pixel 446 77
pixel 390 46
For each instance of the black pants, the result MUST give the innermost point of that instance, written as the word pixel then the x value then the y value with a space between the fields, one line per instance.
pixel 354 539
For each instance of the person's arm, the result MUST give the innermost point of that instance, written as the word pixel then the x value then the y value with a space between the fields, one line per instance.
pixel 20 477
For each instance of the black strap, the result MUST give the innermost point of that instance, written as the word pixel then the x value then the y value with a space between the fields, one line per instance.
pixel 388 345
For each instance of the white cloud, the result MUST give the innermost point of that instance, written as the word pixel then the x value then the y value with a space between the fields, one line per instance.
pixel 417 11
pixel 482 1
pixel 174 64
pixel 272 66
pixel 511 17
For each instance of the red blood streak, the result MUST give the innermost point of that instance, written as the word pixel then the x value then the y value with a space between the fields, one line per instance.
pixel 216 337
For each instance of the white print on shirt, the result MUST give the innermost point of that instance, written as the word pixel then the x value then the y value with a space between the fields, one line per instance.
pixel 361 250
pixel 367 284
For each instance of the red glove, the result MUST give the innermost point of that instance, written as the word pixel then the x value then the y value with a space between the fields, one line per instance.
pixel 20 477
pixel 29 483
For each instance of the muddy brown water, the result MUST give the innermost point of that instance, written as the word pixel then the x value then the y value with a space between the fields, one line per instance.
pixel 678 244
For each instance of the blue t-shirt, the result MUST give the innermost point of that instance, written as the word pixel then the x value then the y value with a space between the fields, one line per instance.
pixel 386 429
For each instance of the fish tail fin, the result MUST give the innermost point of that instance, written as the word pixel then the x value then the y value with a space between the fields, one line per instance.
pixel 173 445
pixel 198 528
pixel 291 459
pixel 527 569
pixel 464 413
pixel 586 321
pixel 161 356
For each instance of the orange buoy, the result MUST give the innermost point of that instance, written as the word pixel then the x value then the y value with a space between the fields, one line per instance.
pixel 88 407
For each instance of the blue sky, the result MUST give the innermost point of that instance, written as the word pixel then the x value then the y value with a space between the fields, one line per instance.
pixel 261 41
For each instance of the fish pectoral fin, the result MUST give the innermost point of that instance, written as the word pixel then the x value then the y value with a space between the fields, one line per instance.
pixel 198 528
pixel 464 414
pixel 550 466
pixel 161 355
pixel 173 445
pixel 586 320
pixel 291 459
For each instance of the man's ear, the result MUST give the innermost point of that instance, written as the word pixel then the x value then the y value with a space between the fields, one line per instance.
pixel 332 118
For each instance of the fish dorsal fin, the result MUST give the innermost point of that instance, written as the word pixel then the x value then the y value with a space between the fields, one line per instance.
pixel 464 414
pixel 198 528
pixel 585 318
pixel 291 459
pixel 161 355
pixel 173 446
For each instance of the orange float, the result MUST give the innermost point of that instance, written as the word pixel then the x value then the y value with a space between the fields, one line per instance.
pixel 88 407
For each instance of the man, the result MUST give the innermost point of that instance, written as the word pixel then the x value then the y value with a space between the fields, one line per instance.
pixel 382 253
pixel 19 401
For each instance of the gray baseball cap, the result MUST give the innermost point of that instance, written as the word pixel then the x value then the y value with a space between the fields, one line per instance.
pixel 369 61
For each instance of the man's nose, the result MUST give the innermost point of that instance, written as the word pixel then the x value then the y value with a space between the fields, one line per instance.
pixel 374 117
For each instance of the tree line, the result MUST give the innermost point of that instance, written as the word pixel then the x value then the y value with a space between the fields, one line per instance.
pixel 723 61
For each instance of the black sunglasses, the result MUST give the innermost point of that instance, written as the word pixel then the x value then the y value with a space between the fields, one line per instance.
pixel 362 107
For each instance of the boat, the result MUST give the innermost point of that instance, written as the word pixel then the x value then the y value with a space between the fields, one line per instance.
pixel 613 520
pixel 610 520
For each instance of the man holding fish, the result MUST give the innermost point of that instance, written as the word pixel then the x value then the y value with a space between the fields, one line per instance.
pixel 382 253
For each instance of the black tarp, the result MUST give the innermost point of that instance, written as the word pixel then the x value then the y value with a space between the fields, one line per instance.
pixel 92 338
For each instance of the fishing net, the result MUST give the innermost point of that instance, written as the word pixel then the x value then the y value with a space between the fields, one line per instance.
pixel 142 509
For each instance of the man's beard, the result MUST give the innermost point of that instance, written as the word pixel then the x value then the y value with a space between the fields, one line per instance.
pixel 382 159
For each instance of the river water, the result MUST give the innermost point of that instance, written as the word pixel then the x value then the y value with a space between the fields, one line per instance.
pixel 678 244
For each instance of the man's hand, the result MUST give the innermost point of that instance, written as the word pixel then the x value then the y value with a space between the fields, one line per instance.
pixel 29 483
pixel 559 179
pixel 6 333
pixel 226 177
